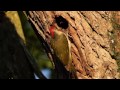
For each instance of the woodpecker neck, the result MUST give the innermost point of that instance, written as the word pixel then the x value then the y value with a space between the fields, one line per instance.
pixel 58 32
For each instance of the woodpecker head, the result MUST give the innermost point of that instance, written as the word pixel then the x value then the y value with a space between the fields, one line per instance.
pixel 61 22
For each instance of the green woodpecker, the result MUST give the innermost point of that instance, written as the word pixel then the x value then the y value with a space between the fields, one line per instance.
pixel 61 46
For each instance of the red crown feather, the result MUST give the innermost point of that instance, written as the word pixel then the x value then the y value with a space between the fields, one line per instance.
pixel 52 31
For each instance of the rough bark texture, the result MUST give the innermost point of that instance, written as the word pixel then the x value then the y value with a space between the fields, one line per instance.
pixel 89 37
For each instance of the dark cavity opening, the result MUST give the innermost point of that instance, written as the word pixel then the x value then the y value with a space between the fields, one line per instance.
pixel 61 22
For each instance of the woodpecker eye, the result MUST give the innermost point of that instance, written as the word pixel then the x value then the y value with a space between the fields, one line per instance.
pixel 61 22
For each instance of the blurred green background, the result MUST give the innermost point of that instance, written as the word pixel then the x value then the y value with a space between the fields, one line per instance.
pixel 31 41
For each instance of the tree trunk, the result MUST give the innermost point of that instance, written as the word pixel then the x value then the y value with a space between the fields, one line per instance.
pixel 89 34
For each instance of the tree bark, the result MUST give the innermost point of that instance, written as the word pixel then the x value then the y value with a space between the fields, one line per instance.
pixel 88 32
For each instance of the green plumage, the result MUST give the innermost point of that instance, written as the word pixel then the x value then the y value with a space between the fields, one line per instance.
pixel 61 47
